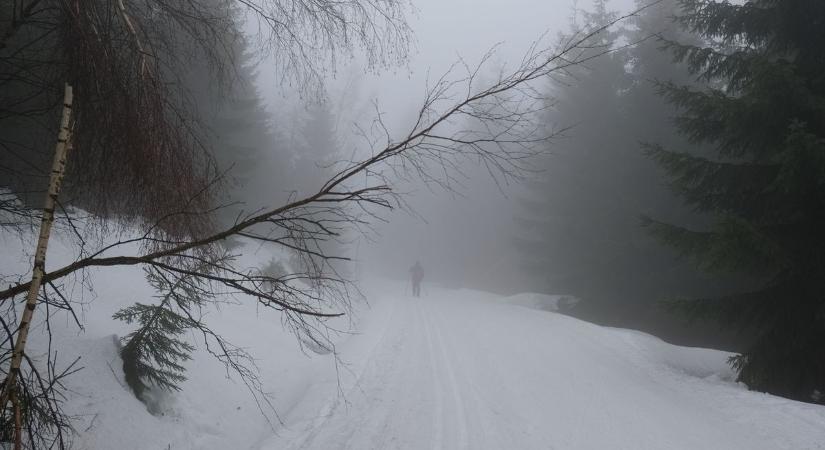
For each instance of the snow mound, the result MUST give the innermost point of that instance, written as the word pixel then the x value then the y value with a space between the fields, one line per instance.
pixel 542 302
pixel 214 409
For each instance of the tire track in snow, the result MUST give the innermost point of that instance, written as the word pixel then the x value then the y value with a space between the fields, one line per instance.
pixel 382 369
pixel 340 401
pixel 452 384
pixel 438 417
pixel 460 345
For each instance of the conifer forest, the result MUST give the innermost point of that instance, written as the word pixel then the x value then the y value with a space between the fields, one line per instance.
pixel 412 224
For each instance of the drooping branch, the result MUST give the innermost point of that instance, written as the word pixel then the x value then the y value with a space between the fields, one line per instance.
pixel 307 36
pixel 18 21
pixel 496 125
pixel 141 49
pixel 507 149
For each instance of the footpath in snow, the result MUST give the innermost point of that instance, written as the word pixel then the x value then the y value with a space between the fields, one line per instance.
pixel 469 370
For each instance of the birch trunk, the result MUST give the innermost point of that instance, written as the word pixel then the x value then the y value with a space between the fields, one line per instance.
pixel 55 182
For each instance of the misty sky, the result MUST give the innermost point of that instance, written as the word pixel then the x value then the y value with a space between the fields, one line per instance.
pixel 461 238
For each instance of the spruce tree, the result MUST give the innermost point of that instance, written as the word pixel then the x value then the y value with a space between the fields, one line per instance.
pixel 318 147
pixel 565 233
pixel 247 147
pixel 318 150
pixel 762 112
pixel 578 229
pixel 154 353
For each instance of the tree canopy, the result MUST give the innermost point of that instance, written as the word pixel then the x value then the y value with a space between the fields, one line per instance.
pixel 760 109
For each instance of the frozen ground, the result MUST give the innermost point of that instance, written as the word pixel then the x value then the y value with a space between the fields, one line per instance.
pixel 455 369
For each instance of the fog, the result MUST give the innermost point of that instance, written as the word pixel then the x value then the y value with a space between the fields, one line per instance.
pixel 566 222
pixel 572 225
pixel 463 238
pixel 412 224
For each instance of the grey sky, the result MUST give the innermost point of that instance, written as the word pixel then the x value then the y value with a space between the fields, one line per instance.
pixel 476 226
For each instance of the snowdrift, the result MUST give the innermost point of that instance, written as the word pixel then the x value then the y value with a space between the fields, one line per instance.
pixel 543 302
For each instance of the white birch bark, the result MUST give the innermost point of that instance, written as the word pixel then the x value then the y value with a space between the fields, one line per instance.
pixel 55 182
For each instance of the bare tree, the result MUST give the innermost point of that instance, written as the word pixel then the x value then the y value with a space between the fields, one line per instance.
pixel 459 118
pixel 139 128
pixel 142 162
pixel 20 400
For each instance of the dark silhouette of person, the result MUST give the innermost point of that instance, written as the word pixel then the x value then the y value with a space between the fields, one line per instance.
pixel 417 274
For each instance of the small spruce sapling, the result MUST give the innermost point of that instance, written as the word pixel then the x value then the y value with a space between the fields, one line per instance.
pixel 154 353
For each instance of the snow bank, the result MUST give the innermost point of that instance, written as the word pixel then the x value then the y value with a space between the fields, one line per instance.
pixel 214 409
pixel 542 302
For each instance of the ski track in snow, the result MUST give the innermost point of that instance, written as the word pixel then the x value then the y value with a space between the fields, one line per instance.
pixel 385 406
pixel 463 370
pixel 438 392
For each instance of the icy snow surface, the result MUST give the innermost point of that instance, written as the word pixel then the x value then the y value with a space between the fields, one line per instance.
pixel 455 369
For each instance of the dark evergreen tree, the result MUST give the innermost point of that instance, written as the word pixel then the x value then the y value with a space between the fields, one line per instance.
pixel 762 111
pixel 236 127
pixel 563 234
pixel 579 225
pixel 247 146
pixel 317 147
pixel 154 353
pixel 580 230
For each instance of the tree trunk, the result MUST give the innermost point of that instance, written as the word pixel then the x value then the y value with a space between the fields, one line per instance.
pixel 9 392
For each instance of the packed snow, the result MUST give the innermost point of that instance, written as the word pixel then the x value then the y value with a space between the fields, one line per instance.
pixel 455 369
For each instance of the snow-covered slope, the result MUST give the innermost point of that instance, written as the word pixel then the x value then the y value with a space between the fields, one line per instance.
pixel 452 370
pixel 214 410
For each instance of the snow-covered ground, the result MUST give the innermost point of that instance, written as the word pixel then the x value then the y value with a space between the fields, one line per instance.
pixel 465 369
pixel 455 369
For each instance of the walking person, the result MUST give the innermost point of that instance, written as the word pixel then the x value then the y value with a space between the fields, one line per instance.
pixel 416 274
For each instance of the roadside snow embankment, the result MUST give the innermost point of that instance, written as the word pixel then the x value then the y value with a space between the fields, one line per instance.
pixel 214 409
pixel 543 302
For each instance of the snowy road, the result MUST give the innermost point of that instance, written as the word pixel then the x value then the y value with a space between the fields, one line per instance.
pixel 454 370
pixel 467 370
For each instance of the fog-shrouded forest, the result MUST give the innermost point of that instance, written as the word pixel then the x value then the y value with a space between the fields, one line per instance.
pixel 405 224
